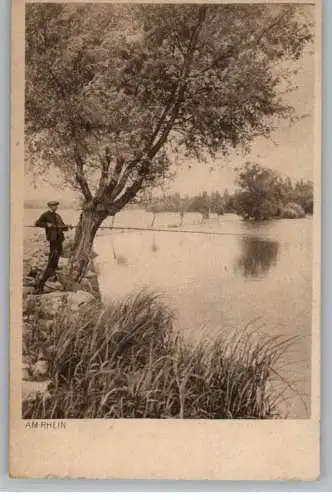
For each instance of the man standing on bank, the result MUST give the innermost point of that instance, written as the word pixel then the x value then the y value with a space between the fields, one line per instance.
pixel 54 228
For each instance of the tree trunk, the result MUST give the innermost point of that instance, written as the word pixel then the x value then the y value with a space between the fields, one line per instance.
pixel 78 233
pixel 89 223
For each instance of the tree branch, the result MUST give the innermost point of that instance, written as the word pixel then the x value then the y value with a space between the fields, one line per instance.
pixel 173 102
pixel 236 50
pixel 103 181
pixel 183 82
pixel 167 108
pixel 121 184
pixel 105 162
pixel 131 191
pixel 80 177
pixel 128 195
pixel 79 174
pixel 115 176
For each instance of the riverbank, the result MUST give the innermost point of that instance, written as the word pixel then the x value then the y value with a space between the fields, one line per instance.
pixel 126 361
pixel 40 311
pixel 83 359
pixel 256 274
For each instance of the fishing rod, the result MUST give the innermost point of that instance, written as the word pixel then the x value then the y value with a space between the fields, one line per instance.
pixel 161 230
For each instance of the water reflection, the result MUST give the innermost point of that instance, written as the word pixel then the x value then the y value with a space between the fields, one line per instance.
pixel 258 256
pixel 218 284
pixel 154 246
pixel 119 259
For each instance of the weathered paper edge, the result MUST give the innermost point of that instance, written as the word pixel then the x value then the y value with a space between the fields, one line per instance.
pixel 126 449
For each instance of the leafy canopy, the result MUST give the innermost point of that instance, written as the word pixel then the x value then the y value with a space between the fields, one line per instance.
pixel 263 193
pixel 116 88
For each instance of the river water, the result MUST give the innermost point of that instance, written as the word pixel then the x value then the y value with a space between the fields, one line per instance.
pixel 250 273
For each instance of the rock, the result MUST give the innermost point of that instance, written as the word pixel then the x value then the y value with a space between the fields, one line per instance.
pixel 25 372
pixel 86 286
pixel 77 299
pixel 90 274
pixel 64 261
pixel 34 271
pixel 27 328
pixel 50 304
pixel 29 303
pixel 32 388
pixel 45 325
pixel 66 282
pixel 28 281
pixel 39 261
pixel 39 369
pixel 27 290
pixel 54 286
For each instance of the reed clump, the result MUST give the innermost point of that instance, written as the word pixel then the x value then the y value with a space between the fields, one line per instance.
pixel 126 361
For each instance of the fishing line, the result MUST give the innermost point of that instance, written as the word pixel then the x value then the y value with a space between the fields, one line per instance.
pixel 160 230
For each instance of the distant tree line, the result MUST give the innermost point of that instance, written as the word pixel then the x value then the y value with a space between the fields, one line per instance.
pixel 65 205
pixel 202 203
pixel 262 194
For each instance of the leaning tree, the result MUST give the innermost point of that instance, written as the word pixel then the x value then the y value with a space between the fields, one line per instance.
pixel 114 91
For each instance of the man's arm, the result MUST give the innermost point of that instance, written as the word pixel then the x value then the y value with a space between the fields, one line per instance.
pixel 61 224
pixel 42 221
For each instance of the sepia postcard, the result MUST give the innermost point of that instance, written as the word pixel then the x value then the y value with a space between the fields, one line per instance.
pixel 165 240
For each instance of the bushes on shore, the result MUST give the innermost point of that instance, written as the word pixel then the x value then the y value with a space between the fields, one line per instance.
pixel 125 360
pixel 292 211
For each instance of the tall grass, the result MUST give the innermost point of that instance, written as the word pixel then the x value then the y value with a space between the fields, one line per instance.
pixel 125 360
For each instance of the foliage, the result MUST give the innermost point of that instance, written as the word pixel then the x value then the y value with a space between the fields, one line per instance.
pixel 259 196
pixel 201 203
pixel 113 91
pixel 125 360
pixel 300 194
pixel 167 203
pixel 229 202
pixel 217 203
pixel 292 211
pixel 114 88
pixel 263 194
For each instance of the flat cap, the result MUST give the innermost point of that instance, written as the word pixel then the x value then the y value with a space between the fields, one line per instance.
pixel 53 203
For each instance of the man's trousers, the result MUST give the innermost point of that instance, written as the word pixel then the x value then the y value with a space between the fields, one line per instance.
pixel 52 263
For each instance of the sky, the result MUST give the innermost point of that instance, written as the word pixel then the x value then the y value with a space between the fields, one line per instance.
pixel 290 153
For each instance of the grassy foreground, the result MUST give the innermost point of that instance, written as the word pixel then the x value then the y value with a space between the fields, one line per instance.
pixel 125 360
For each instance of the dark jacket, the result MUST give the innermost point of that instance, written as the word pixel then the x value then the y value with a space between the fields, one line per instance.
pixel 52 233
